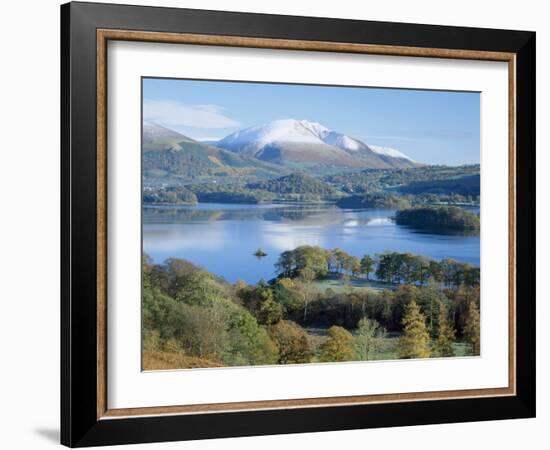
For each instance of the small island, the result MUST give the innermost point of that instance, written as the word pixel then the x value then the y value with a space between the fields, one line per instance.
pixel 439 217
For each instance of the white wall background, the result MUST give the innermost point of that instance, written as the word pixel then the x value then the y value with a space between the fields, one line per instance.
pixel 29 223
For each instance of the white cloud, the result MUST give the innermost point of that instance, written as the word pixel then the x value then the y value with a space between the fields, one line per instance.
pixel 175 114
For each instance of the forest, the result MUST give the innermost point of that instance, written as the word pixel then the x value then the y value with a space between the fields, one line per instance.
pixel 375 200
pixel 173 195
pixel 391 305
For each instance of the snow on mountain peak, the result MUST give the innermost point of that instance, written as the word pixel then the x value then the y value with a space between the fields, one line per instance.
pixel 388 151
pixel 314 128
pixel 251 140
pixel 290 130
pixel 344 142
pixel 277 131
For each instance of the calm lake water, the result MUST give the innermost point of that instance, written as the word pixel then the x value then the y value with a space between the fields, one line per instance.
pixel 223 237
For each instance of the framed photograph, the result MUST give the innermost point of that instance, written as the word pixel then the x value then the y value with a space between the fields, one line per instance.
pixel 276 224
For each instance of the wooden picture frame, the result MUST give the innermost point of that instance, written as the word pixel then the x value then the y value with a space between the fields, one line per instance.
pixel 86 418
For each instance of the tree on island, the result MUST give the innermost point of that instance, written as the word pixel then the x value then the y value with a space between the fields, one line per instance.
pixel 471 327
pixel 415 342
pixel 367 265
pixel 445 333
pixel 338 346
pixel 260 253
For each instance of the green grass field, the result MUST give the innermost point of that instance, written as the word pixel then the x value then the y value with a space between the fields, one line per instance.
pixel 385 350
pixel 338 285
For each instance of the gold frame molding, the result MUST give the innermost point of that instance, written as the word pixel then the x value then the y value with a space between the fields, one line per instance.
pixel 105 35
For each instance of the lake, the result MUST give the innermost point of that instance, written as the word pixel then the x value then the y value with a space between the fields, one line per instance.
pixel 223 237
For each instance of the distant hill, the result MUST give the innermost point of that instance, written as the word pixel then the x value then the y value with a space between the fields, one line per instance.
pixel 295 183
pixel 156 137
pixel 411 180
pixel 171 156
pixel 468 185
pixel 300 144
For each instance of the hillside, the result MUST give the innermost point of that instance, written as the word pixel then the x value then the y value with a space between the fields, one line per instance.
pixel 170 157
pixel 258 168
pixel 416 179
pixel 467 186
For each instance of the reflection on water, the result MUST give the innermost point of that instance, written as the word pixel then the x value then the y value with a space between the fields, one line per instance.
pixel 216 211
pixel 222 238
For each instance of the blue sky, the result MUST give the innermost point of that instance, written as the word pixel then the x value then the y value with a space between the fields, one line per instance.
pixel 432 127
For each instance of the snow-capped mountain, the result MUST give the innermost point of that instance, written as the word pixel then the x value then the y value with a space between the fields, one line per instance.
pixel 292 142
pixel 251 140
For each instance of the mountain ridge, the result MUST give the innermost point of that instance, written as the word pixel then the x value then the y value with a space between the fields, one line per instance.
pixel 266 151
pixel 169 156
pixel 302 141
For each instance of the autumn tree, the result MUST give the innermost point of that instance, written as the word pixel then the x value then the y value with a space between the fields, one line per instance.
pixel 415 342
pixel 445 333
pixel 201 331
pixel 472 328
pixel 339 260
pixel 338 346
pixel 312 258
pixel 368 338
pixel 367 265
pixel 288 294
pixel 270 312
pixel 291 341
pixel 355 266
pixel 258 300
pixel 403 295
